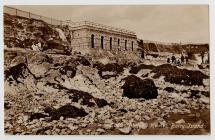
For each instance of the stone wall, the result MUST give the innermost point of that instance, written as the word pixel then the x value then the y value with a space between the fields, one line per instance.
pixel 81 40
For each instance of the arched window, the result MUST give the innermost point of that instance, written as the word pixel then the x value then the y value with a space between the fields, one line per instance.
pixel 102 42
pixel 118 44
pixel 111 43
pixel 125 44
pixel 132 45
pixel 92 40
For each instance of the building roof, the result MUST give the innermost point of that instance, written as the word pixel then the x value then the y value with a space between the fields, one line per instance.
pixel 100 26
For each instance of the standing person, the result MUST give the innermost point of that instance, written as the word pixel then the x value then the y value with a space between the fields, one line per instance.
pixel 186 58
pixel 182 59
pixel 178 62
pixel 168 60
pixel 173 59
pixel 202 56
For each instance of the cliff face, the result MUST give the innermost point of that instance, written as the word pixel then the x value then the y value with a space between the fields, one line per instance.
pixel 23 33
pixel 174 48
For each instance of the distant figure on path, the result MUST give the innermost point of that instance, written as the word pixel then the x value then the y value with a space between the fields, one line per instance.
pixel 173 59
pixel 202 56
pixel 178 62
pixel 186 58
pixel 168 60
pixel 182 58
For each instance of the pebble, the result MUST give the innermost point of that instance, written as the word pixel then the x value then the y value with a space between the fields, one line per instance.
pixel 8 125
pixel 72 127
pixel 42 119
pixel 100 130
pixel 83 125
pixel 61 118
pixel 147 117
pixel 119 125
pixel 107 126
pixel 180 121
pixel 25 118
pixel 125 130
pixel 137 117
pixel 19 121
pixel 141 125
pixel 48 132
pixel 205 100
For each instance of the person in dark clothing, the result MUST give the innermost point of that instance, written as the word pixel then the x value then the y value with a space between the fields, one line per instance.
pixel 186 58
pixel 173 59
pixel 182 58
pixel 168 60
pixel 202 56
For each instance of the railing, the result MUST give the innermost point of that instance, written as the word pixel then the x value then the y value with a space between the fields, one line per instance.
pixel 17 12
pixel 52 21
pixel 97 25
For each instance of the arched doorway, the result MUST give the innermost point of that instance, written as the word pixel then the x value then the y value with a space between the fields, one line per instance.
pixel 102 42
pixel 110 43
pixel 125 44
pixel 118 44
pixel 92 40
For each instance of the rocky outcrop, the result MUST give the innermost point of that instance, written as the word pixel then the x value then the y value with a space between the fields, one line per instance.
pixel 135 87
pixel 22 32
pixel 109 70
pixel 86 98
pixel 179 76
pixel 67 111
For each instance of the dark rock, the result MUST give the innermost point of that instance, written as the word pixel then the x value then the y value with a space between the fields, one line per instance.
pixel 135 87
pixel 42 130
pixel 205 93
pixel 179 76
pixel 195 94
pixel 7 105
pixel 68 111
pixel 68 70
pixel 82 60
pixel 112 67
pixel 56 86
pixel 17 71
pixel 37 116
pixel 145 75
pixel 48 109
pixel 136 69
pixel 76 95
pixel 101 102
pixel 201 67
pixel 87 99
pixel 169 89
pixel 123 110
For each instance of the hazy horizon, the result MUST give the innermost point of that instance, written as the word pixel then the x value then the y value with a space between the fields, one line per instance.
pixel 163 23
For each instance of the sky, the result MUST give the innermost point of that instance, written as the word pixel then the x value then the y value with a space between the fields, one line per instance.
pixel 165 23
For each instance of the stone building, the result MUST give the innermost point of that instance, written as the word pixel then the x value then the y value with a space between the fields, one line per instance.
pixel 92 36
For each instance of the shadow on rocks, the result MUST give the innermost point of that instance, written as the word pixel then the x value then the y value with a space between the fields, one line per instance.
pixel 87 99
pixel 135 87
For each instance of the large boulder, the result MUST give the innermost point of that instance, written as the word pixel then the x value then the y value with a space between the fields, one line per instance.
pixel 18 60
pixel 109 70
pixel 135 87
pixel 39 64
pixel 19 74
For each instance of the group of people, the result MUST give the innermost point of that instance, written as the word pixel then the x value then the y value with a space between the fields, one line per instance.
pixel 178 61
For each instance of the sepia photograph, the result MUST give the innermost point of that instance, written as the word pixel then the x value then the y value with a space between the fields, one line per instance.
pixel 106 70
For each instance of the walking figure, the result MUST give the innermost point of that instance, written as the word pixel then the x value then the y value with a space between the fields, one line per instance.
pixel 168 60
pixel 186 58
pixel 173 59
pixel 182 58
